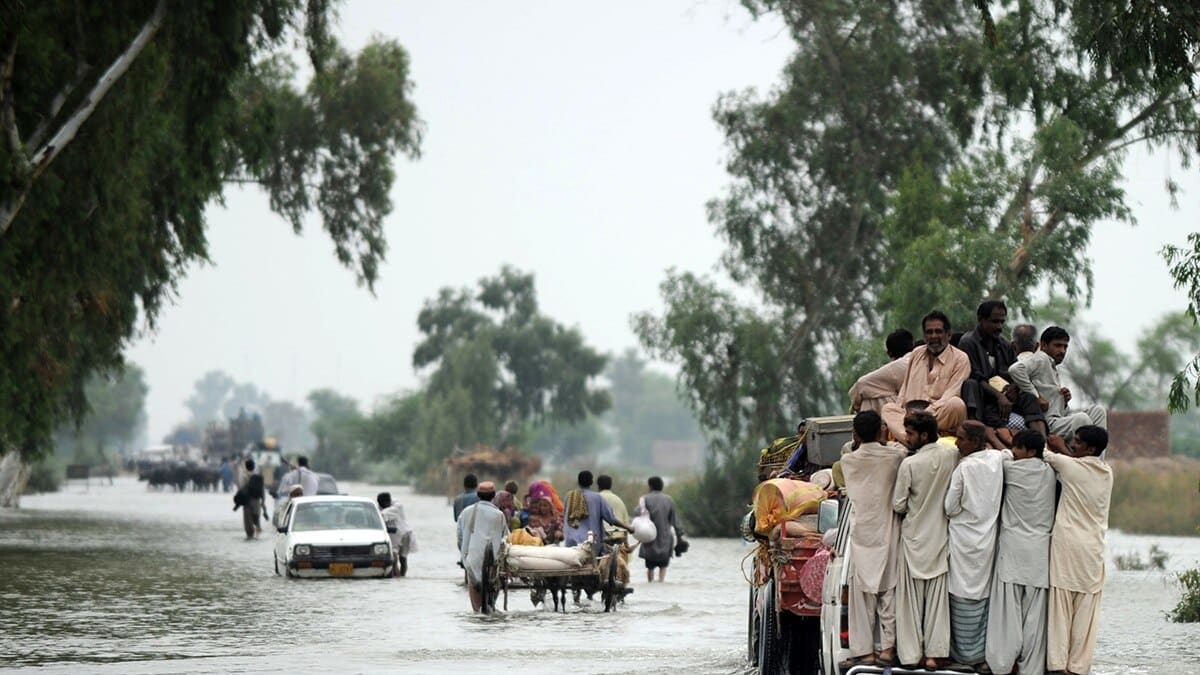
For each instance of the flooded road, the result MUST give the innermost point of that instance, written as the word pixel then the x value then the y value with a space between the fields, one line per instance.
pixel 121 579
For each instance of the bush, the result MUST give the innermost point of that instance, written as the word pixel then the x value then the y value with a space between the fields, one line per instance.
pixel 45 476
pixel 714 503
pixel 1188 609
pixel 1132 561
pixel 1155 496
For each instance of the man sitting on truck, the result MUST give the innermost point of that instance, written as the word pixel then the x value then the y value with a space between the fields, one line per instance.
pixel 870 475
pixel 882 385
pixel 1038 376
pixel 922 602
pixel 989 393
pixel 936 372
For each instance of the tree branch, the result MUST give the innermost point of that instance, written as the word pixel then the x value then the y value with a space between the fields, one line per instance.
pixel 46 153
pixel 7 112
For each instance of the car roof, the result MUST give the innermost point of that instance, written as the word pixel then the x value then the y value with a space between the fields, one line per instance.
pixel 332 498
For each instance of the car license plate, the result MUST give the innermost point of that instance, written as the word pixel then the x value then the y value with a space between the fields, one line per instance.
pixel 341 569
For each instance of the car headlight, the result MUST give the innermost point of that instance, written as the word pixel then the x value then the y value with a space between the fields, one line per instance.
pixel 302 549
pixel 382 549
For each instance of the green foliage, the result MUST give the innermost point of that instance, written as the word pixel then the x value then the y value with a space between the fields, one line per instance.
pixel 1156 559
pixel 115 420
pixel 566 442
pixel 45 475
pixel 1162 36
pixel 498 365
pixel 1188 608
pixel 646 408
pixel 904 162
pixel 208 398
pixel 713 503
pixel 95 235
pixel 289 424
pixel 337 426
pixel 1185 268
pixel 1155 496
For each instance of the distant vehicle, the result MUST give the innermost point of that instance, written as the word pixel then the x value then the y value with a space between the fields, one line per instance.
pixel 326 485
pixel 333 536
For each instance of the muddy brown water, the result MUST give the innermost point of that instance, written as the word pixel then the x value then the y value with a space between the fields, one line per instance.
pixel 122 579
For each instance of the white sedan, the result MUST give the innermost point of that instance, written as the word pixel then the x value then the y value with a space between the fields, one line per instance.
pixel 333 536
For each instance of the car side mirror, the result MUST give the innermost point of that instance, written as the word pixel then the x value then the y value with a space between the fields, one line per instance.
pixel 827 516
pixel 281 529
pixel 391 530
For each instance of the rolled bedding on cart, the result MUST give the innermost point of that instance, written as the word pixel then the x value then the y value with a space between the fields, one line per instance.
pixel 547 558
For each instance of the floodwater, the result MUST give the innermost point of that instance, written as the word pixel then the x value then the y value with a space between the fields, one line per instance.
pixel 122 579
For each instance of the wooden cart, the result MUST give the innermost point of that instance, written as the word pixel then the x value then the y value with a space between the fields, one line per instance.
pixel 596 575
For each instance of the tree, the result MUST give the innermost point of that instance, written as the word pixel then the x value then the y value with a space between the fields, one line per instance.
pixel 207 401
pixel 247 397
pixel 121 122
pixel 1185 268
pixel 498 364
pixel 1163 35
pixel 289 424
pixel 646 408
pixel 337 426
pixel 905 163
pixel 115 421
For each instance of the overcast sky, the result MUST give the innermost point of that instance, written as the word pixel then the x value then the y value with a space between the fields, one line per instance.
pixel 569 141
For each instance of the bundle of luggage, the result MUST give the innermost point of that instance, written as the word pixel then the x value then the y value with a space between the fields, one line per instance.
pixel 547 558
pixel 774 457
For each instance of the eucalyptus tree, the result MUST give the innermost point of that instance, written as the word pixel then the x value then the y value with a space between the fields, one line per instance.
pixel 905 161
pixel 122 121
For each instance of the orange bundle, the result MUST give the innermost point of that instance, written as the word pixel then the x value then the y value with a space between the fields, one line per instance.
pixel 781 499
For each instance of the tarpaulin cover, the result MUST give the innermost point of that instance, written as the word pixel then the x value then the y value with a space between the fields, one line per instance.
pixel 782 499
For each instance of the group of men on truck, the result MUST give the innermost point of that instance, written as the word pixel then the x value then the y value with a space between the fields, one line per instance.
pixel 963 557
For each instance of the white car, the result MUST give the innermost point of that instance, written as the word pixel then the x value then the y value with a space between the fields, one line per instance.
pixel 333 536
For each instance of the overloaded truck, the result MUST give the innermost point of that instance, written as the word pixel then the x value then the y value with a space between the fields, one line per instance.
pixel 797 615
pixel 791 513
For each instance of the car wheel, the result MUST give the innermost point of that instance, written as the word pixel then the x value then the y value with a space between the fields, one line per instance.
pixel 752 631
pixel 772 637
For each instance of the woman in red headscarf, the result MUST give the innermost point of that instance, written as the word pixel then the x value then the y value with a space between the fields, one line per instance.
pixel 545 511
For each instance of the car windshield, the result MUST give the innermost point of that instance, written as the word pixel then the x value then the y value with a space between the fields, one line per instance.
pixel 336 516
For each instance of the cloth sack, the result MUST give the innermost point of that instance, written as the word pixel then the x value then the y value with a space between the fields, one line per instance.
pixel 643 528
pixel 782 499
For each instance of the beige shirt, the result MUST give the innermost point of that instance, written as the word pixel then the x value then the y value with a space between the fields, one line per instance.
pixel 870 474
pixel 882 383
pixel 920 491
pixel 934 378
pixel 1077 542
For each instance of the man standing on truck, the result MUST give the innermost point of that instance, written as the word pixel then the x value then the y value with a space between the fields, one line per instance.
pixel 870 474
pixel 972 505
pixel 1016 632
pixel 1077 551
pixel 922 603
pixel 936 372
